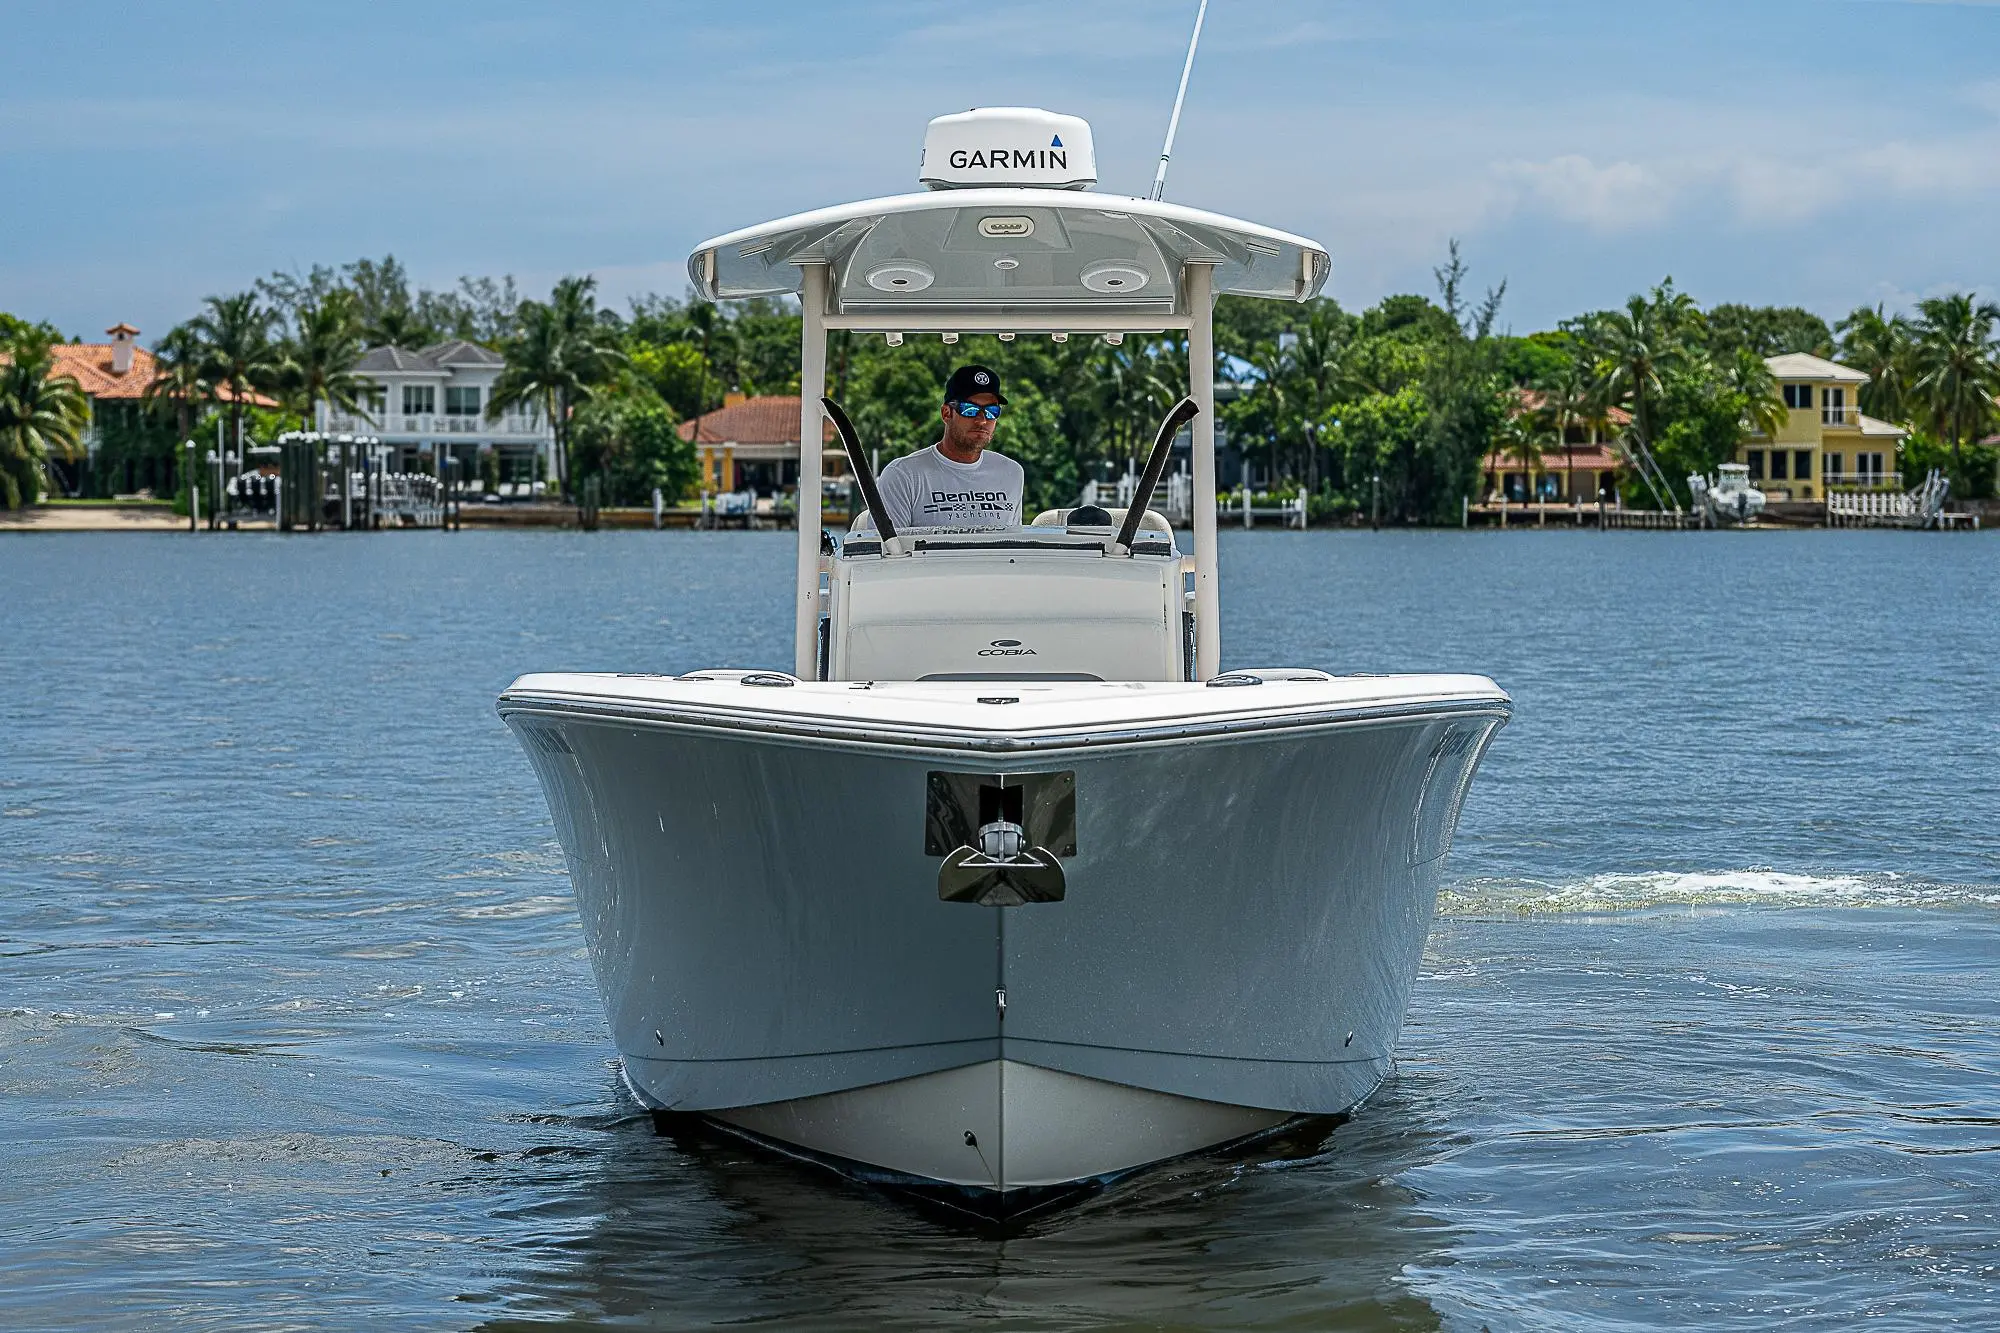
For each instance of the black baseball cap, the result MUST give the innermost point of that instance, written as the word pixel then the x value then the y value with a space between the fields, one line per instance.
pixel 968 380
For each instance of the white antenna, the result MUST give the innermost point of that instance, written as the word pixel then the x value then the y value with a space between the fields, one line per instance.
pixel 1167 151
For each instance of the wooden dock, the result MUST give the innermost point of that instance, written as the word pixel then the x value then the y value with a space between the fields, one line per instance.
pixel 1601 516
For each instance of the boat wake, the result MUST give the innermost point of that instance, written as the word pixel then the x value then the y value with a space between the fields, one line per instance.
pixel 1756 886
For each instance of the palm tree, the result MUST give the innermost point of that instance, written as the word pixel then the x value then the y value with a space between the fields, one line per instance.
pixel 180 378
pixel 320 357
pixel 1523 435
pixel 1751 380
pixel 42 415
pixel 561 354
pixel 1316 363
pixel 1568 402
pixel 1956 360
pixel 1636 345
pixel 240 359
pixel 396 326
pixel 703 317
pixel 1879 346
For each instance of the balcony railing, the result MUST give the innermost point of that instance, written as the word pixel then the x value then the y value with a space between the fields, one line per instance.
pixel 1840 415
pixel 507 426
pixel 1863 480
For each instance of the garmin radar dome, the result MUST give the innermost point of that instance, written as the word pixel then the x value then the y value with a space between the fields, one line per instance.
pixel 1019 146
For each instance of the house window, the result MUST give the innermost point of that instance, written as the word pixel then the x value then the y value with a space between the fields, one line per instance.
pixel 419 400
pixel 1778 465
pixel 1802 464
pixel 375 402
pixel 461 402
pixel 1869 467
pixel 1829 466
pixel 1756 460
pixel 1833 406
pixel 1798 396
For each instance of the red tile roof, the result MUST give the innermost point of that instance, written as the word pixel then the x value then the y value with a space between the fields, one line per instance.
pixel 89 364
pixel 769 419
pixel 1580 458
pixel 1534 400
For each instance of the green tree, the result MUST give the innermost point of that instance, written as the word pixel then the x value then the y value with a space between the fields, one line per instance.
pixel 562 354
pixel 1467 396
pixel 1750 380
pixel 42 416
pixel 633 444
pixel 238 357
pixel 318 359
pixel 1878 345
pixel 1766 331
pixel 675 371
pixel 1636 346
pixel 180 385
pixel 1383 436
pixel 1523 436
pixel 1569 403
pixel 1701 419
pixel 1955 357
pixel 13 327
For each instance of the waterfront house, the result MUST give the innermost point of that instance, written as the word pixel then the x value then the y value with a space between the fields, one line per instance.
pixel 752 444
pixel 123 451
pixel 434 399
pixel 1826 442
pixel 1582 470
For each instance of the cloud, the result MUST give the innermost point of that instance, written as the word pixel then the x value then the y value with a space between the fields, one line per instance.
pixel 1617 196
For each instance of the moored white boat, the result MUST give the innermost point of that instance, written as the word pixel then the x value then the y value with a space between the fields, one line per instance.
pixel 1006 888
pixel 1729 498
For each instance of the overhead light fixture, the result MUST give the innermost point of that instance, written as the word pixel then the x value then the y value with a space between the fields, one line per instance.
pixel 1006 337
pixel 1114 277
pixel 893 339
pixel 950 338
pixel 1059 337
pixel 903 275
pixel 1113 339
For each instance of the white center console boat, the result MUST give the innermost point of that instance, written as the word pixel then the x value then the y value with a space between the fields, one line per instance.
pixel 1729 498
pixel 1006 888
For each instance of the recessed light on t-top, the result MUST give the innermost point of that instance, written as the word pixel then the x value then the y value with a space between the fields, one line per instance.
pixel 1114 277
pixel 901 275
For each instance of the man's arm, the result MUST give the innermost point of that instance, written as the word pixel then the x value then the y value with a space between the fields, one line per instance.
pixel 899 493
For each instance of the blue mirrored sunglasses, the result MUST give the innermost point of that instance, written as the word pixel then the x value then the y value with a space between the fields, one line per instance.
pixel 990 411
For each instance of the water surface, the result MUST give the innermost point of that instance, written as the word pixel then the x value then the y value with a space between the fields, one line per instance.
pixel 296 1028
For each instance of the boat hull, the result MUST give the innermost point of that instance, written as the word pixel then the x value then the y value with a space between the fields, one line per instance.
pixel 1245 912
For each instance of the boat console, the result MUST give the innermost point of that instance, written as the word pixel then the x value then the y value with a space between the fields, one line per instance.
pixel 1043 602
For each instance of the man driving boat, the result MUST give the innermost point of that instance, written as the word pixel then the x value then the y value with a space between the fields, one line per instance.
pixel 959 482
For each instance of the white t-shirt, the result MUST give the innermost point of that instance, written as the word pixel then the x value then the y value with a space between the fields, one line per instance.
pixel 927 490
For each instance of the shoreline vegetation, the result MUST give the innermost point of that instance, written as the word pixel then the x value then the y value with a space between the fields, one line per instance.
pixel 1385 413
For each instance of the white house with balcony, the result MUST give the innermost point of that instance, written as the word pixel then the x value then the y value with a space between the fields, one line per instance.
pixel 423 402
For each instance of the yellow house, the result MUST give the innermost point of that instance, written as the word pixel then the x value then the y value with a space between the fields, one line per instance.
pixel 1825 443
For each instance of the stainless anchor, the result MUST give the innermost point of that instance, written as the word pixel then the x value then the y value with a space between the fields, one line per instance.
pixel 1002 871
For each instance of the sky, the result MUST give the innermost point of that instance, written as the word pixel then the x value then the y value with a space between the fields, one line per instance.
pixel 1824 153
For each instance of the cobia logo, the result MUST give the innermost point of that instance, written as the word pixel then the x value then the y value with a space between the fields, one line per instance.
pixel 1006 648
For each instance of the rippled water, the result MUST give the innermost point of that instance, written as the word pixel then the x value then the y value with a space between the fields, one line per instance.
pixel 296 1029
